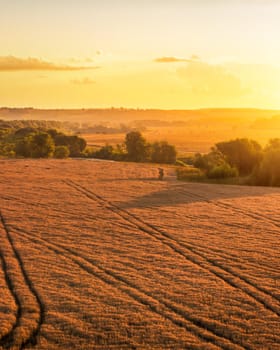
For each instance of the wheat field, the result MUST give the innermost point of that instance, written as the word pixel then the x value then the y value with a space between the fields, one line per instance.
pixel 102 255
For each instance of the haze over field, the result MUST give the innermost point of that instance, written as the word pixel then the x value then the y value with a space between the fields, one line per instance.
pixel 141 54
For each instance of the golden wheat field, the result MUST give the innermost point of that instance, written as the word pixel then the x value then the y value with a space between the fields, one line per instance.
pixel 102 255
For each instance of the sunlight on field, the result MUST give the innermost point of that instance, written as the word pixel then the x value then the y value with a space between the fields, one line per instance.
pixel 188 140
pixel 124 261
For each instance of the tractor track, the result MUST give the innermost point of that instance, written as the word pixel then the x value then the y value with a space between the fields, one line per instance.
pixel 224 205
pixel 235 280
pixel 227 206
pixel 24 311
pixel 8 337
pixel 164 308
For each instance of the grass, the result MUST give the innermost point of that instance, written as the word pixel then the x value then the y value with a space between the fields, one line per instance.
pixel 120 260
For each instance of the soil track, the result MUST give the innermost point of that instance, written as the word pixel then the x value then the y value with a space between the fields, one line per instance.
pixel 104 256
pixel 29 306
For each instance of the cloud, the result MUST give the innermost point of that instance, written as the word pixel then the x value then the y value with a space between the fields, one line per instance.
pixel 171 60
pixel 207 80
pixel 83 81
pixel 11 63
pixel 80 61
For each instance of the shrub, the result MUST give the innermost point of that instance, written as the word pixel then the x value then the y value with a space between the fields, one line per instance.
pixel 222 171
pixel 75 143
pixel 42 145
pixel 162 152
pixel 105 152
pixel 61 152
pixel 268 173
pixel 190 174
pixel 243 154
pixel 208 161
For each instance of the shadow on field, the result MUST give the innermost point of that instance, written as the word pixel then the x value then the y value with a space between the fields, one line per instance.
pixel 187 193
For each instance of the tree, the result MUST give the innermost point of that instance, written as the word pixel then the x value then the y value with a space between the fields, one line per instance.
pixel 273 144
pixel 136 146
pixel 209 161
pixel 75 143
pixel 23 132
pixel 105 152
pixel 61 152
pixel 268 172
pixel 23 146
pixel 243 154
pixel 162 152
pixel 42 145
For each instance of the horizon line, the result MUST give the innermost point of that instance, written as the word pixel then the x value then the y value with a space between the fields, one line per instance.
pixel 138 108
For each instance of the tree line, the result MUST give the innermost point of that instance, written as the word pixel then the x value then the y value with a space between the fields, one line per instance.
pixel 242 158
pixel 33 142
pixel 239 158
pixel 136 149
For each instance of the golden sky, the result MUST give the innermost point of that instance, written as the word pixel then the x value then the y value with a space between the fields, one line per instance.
pixel 171 54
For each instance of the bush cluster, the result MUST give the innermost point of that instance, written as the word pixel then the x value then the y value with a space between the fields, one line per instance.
pixel 137 149
pixel 34 142
pixel 240 157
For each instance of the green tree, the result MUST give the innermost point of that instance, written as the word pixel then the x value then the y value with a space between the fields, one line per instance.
pixel 162 152
pixel 105 152
pixel 61 152
pixel 268 172
pixel 42 145
pixel 243 154
pixel 23 146
pixel 222 171
pixel 209 161
pixel 136 146
pixel 75 143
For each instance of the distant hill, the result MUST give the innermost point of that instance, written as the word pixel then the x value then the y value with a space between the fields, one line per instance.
pixel 126 115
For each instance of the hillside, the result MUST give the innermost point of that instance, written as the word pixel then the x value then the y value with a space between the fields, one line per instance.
pixel 102 255
pixel 125 114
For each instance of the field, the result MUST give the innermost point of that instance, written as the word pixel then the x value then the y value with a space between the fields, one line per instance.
pixel 102 255
pixel 189 139
pixel 190 131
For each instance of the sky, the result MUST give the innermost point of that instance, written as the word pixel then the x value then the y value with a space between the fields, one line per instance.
pixel 169 54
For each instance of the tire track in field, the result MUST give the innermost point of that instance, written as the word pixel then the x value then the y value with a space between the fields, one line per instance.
pixel 266 267
pixel 235 280
pixel 7 338
pixel 257 216
pixel 224 205
pixel 218 252
pixel 196 258
pixel 163 308
pixel 29 305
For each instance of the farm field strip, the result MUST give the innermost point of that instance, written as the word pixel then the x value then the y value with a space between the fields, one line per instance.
pixel 233 279
pixel 30 309
pixel 197 326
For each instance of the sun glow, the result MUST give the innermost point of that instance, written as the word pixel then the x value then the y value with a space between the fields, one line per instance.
pixel 176 55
